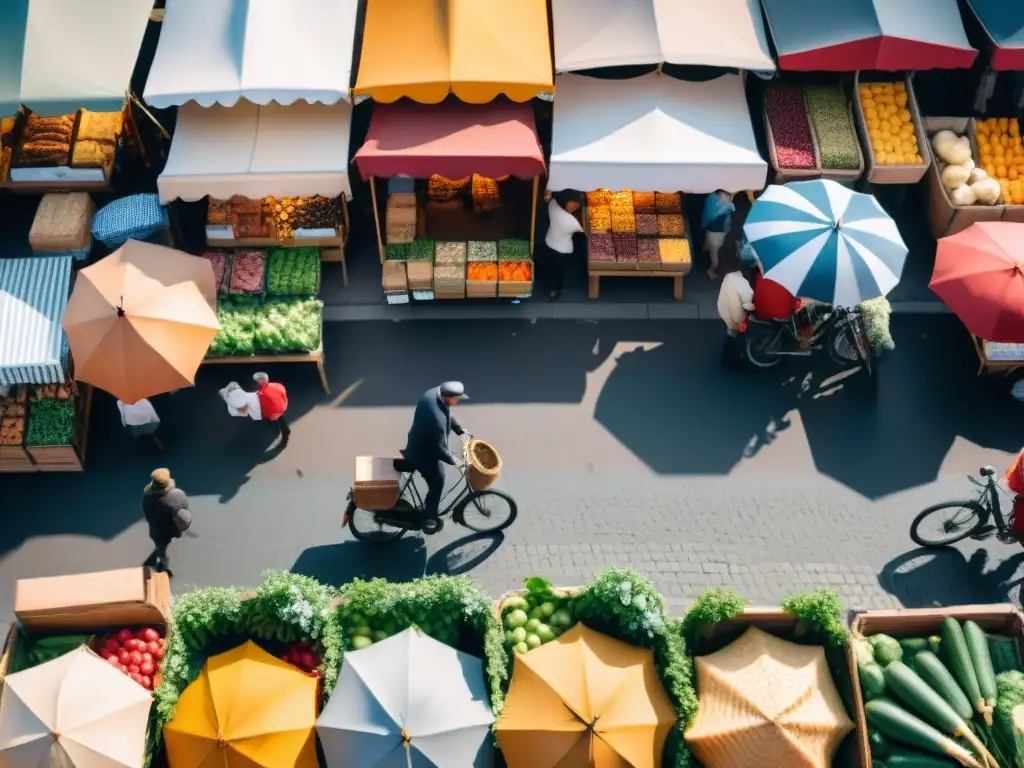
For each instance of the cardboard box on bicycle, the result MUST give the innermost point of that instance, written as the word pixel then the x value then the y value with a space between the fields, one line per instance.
pixel 996 619
pixel 87 603
pixel 376 483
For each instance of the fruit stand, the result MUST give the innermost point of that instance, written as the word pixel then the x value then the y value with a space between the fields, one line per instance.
pixel 477 173
pixel 892 134
pixel 664 136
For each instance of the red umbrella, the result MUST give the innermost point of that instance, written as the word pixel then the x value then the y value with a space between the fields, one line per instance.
pixel 979 273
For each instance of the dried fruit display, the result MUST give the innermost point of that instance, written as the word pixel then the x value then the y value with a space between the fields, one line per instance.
pixel 486 194
pixel 623 218
pixel 599 197
pixel 674 250
pixel 647 224
pixel 668 202
pixel 247 272
pixel 890 124
pixel 218 212
pixel 602 248
pixel 483 250
pixel 513 249
pixel 317 213
pixel 625 247
pixel 482 271
pixel 645 202
pixel 51 392
pixel 515 272
pixel 671 225
pixel 12 418
pixel 450 253
pixel 600 218
pixel 791 131
pixel 442 190
pixel 647 251
pixel 219 261
pixel 830 117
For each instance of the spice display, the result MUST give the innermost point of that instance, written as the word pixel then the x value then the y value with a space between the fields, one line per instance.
pixel 890 124
pixel 219 261
pixel 674 250
pixel 317 212
pixel 12 417
pixel 645 202
pixel 486 194
pixel 400 219
pixel 449 280
pixel 99 126
pixel 647 251
pixel 250 326
pixel 293 271
pixel 515 272
pixel 513 249
pixel 397 251
pixel 601 247
pixel 837 144
pixel 791 132
pixel 668 202
pixel 247 272
pixel 450 253
pixel 136 654
pixel 50 422
pixel 46 140
pixel 92 154
pixel 647 224
pixel 482 271
pixel 623 218
pixel 442 190
pixel 1001 156
pixel 625 247
pixel 421 249
pixel 482 250
pixel 600 218
pixel 671 225
pixel 218 212
pixel 599 197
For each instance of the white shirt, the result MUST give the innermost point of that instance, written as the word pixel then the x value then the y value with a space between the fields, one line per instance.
pixel 242 403
pixel 137 414
pixel 735 299
pixel 562 227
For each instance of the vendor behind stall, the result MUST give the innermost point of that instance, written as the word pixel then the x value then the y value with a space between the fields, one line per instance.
pixel 559 243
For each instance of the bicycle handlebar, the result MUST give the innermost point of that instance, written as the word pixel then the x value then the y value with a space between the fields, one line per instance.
pixel 977 482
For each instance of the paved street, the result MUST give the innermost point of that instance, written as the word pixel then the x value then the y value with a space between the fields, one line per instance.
pixel 624 443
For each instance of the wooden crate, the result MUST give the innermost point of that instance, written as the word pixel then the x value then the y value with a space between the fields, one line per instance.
pixel 481 289
pixel 892 174
pixel 14 458
pixel 997 619
pixel 786 175
pixel 515 289
pixel 55 458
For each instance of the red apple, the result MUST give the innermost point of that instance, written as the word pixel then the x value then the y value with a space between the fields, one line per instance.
pixel 124 656
pixel 147 668
pixel 136 657
pixel 152 647
pixel 131 644
pixel 123 634
pixel 150 635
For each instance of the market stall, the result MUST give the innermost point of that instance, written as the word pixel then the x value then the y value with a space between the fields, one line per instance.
pixel 44 423
pixel 608 33
pixel 664 136
pixel 1003 24
pixel 68 104
pixel 425 50
pixel 275 175
pixel 478 172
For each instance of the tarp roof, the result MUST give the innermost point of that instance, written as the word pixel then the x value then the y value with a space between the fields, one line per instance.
pixel 1003 22
pixel 452 140
pixel 611 33
pixel 868 34
pixel 57 57
pixel 33 295
pixel 254 151
pixel 476 49
pixel 653 133
pixel 220 51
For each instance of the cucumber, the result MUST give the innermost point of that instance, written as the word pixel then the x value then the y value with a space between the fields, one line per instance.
pixel 934 672
pixel 958 658
pixel 977 645
pixel 1004 654
pixel 899 725
pixel 880 746
pixel 935 644
pixel 912 646
pixel 907 759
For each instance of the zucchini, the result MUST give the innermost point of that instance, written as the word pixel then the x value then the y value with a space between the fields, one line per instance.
pixel 934 672
pixel 977 645
pixel 879 745
pixel 1004 654
pixel 899 725
pixel 935 644
pixel 954 645
pixel 930 706
pixel 907 759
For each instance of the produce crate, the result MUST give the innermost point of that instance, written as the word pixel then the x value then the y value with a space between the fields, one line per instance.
pixel 514 290
pixel 892 174
pixel 393 278
pixel 500 602
pixel 67 458
pixel 838 174
pixel 481 289
pixel 786 175
pixel 852 753
pixel 997 619
pixel 15 458
pixel 944 218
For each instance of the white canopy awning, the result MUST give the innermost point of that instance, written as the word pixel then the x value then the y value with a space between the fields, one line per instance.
pixel 220 51
pixel 616 33
pixel 653 133
pixel 254 151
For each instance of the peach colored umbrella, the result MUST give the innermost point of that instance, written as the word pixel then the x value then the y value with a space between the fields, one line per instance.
pixel 140 321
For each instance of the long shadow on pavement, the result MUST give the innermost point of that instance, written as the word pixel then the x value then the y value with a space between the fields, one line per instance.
pixel 926 578
pixel 338 564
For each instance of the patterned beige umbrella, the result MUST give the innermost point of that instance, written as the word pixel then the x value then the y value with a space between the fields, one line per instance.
pixel 76 711
pixel 766 701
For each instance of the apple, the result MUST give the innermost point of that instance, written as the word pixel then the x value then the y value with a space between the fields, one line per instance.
pixel 132 644
pixel 147 668
pixel 136 657
pixel 150 635
pixel 124 657
pixel 152 647
pixel 123 635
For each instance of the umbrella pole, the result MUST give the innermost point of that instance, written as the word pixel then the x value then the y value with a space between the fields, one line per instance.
pixel 376 217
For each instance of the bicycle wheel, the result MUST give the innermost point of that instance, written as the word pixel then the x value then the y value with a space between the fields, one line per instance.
pixel 367 526
pixel 965 518
pixel 761 347
pixel 486 511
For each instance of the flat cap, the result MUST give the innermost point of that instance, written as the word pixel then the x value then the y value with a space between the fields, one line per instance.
pixel 453 389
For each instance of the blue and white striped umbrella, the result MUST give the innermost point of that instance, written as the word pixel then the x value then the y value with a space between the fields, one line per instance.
pixel 823 241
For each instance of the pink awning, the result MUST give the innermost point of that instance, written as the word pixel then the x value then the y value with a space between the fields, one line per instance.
pixel 451 139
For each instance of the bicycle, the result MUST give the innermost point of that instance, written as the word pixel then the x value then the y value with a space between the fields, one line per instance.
pixel 409 514
pixel 838 329
pixel 970 517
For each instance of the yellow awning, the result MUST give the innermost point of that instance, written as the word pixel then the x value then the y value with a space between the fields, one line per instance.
pixel 475 49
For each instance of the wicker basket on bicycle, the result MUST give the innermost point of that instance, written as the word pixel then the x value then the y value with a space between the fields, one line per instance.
pixel 484 465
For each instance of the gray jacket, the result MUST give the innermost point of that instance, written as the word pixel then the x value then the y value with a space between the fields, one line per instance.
pixel 431 425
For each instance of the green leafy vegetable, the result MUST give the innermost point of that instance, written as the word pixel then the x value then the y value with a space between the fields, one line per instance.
pixel 821 613
pixel 293 271
pixel 51 422
pixel 253 326
pixel 513 249
pixel 398 251
pixel 421 249
pixel 876 314
pixel 712 607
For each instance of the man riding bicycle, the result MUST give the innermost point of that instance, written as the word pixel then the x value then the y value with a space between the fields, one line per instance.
pixel 426 450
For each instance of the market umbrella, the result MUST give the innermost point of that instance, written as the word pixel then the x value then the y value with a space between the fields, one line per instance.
pixel 246 709
pixel 408 701
pixel 585 699
pixel 826 242
pixel 979 273
pixel 75 711
pixel 766 701
pixel 140 321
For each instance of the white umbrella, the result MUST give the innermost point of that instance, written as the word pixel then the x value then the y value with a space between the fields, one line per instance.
pixel 408 702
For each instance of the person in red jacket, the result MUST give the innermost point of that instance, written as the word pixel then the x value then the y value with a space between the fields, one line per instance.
pixel 273 404
pixel 773 302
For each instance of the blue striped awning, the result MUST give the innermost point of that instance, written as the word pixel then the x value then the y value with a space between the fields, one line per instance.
pixel 33 294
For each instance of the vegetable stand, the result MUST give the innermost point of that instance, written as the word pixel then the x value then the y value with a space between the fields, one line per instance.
pixel 664 135
pixel 316 357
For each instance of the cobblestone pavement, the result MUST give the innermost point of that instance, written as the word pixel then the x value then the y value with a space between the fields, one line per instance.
pixel 625 444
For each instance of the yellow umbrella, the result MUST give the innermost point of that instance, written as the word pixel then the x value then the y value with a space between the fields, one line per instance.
pixel 246 709
pixel 585 699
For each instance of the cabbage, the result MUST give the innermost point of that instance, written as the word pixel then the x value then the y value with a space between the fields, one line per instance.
pixel 252 326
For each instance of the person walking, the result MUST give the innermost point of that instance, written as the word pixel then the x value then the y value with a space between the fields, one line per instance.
pixel 716 221
pixel 735 300
pixel 558 243
pixel 141 420
pixel 241 403
pixel 273 399
pixel 165 508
